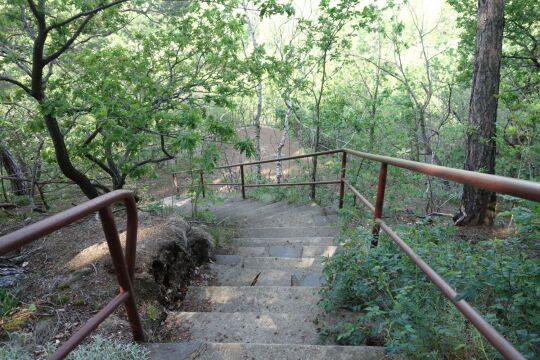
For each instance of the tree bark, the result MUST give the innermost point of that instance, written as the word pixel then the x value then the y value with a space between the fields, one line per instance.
pixel 257 118
pixel 477 205
pixel 279 167
pixel 8 161
pixel 316 140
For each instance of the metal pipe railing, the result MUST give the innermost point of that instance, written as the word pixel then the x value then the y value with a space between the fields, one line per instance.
pixel 520 188
pixel 124 264
pixel 524 189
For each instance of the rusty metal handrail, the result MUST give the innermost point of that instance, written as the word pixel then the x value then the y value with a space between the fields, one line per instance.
pixel 243 185
pixel 520 188
pixel 124 264
pixel 524 189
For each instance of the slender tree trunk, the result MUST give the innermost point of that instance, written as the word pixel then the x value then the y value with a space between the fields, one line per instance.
pixel 4 192
pixel 258 126
pixel 257 118
pixel 36 166
pixel 315 160
pixel 477 205
pixel 13 169
pixel 316 140
pixel 64 161
pixel 279 168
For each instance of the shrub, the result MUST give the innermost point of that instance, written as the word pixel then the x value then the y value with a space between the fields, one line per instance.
pixel 8 301
pixel 398 306
pixel 104 349
pixel 99 349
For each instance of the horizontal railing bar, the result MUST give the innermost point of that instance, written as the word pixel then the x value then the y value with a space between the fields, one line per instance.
pixel 360 196
pixel 266 161
pixel 493 336
pixel 282 159
pixel 223 184
pixel 281 184
pixel 44 227
pixel 90 326
pixel 529 190
pixel 296 184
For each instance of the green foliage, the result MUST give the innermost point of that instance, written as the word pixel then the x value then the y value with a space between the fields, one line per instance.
pixel 399 307
pixel 105 349
pixel 14 352
pixel 8 301
pixel 152 312
pixel 527 217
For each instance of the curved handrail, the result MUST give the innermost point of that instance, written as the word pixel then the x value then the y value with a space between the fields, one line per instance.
pixel 123 263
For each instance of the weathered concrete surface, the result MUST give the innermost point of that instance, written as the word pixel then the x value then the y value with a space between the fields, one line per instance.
pixel 242 351
pixel 246 327
pixel 242 276
pixel 307 251
pixel 269 232
pixel 265 241
pixel 287 251
pixel 264 302
pixel 256 298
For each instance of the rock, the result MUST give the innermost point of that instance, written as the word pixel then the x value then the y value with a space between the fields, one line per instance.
pixel 143 216
pixel 201 244
pixel 169 256
pixel 9 273
pixel 113 324
pixel 146 286
pixel 167 253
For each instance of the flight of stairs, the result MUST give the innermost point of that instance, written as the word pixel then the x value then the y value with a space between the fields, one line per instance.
pixel 263 304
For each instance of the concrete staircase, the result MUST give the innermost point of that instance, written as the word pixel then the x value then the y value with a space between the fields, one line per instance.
pixel 263 304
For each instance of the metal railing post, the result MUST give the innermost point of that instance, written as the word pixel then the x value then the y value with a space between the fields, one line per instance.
pixel 122 272
pixel 243 183
pixel 342 184
pixel 379 201
pixel 202 184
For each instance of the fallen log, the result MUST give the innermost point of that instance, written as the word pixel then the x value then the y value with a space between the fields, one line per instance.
pixel 7 205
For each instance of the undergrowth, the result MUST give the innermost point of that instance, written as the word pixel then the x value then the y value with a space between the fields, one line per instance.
pixel 98 349
pixel 398 307
pixel 8 301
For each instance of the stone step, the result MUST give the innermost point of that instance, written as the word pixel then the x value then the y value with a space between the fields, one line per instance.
pixel 285 250
pixel 263 299
pixel 226 275
pixel 239 206
pixel 279 232
pixel 244 208
pixel 287 219
pixel 183 204
pixel 242 351
pixel 268 208
pixel 267 263
pixel 247 327
pixel 274 241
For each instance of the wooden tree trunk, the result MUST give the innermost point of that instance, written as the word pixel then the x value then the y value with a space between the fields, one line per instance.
pixel 279 167
pixel 478 206
pixel 14 171
pixel 257 118
pixel 316 141
pixel 258 127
